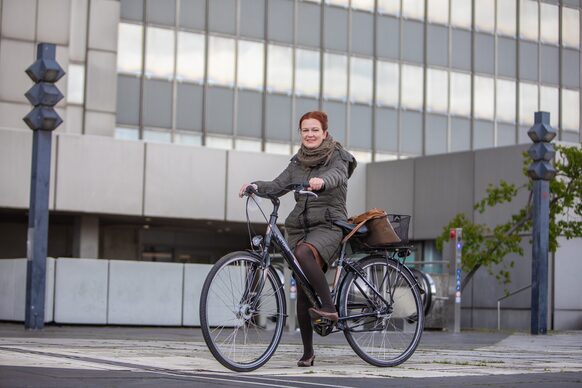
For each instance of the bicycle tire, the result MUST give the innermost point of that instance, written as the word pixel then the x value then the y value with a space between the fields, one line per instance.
pixel 388 339
pixel 242 324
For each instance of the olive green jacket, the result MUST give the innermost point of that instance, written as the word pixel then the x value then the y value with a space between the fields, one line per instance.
pixel 312 218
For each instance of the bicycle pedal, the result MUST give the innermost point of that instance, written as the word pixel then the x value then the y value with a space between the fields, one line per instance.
pixel 322 321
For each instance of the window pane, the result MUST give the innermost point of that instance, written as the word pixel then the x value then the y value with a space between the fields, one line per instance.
pixel 438 11
pixel 460 94
pixel 76 84
pixel 366 5
pixel 220 61
pixel 307 73
pixel 571 116
pixel 159 53
pixel 549 23
pixel 505 100
pixel 389 7
pixel 461 13
pixel 549 103
pixel 506 17
pixel 483 101
pixel 361 79
pixel 413 9
pixel 279 65
pixel 570 27
pixel 387 83
pixel 250 65
pixel 190 66
pixel 412 79
pixel 335 81
pixel 157 136
pixel 129 53
pixel 437 85
pixel 528 103
pixel 485 15
pixel 247 145
pixel 528 19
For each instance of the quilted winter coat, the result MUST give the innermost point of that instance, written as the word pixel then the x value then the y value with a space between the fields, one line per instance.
pixel 312 218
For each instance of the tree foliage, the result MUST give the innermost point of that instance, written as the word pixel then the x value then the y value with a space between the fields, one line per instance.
pixel 486 246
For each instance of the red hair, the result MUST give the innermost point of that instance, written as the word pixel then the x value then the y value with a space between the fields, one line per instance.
pixel 317 115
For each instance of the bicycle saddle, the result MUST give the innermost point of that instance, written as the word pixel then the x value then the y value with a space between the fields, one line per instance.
pixel 347 227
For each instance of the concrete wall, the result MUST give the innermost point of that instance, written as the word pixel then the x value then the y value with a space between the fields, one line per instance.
pixel 13 289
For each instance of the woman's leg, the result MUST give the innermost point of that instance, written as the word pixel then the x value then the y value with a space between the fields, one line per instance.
pixel 304 323
pixel 315 275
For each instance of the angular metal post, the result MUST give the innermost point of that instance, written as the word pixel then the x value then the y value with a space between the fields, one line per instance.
pixel 541 171
pixel 43 119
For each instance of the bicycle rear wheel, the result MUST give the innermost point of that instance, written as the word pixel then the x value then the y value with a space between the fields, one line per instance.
pixel 382 334
pixel 242 312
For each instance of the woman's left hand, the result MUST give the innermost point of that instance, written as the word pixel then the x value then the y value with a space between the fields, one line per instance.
pixel 316 184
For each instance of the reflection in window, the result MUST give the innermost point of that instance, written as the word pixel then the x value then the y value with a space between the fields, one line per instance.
pixel 126 133
pixel 413 9
pixel 247 145
pixel 460 94
pixel 571 115
pixel 483 101
pixel 506 17
pixel 157 136
pixel 549 103
pixel 190 66
pixel 412 79
pixel 437 88
pixel 219 142
pixel 549 23
pixel 279 67
pixel 339 3
pixel 335 80
pixel 250 65
pixel 159 53
pixel 570 27
pixel 438 11
pixel 389 7
pixel 76 84
pixel 461 13
pixel 188 137
pixel 505 100
pixel 307 73
pixel 528 102
pixel 361 80
pixel 220 61
pixel 485 15
pixel 387 83
pixel 365 5
pixel 528 19
pixel 129 48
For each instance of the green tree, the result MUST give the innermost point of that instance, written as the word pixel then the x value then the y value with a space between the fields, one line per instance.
pixel 485 247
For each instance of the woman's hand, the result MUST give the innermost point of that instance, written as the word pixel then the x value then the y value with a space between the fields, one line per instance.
pixel 243 189
pixel 316 184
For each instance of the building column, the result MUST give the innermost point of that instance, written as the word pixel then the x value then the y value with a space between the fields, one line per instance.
pixel 86 237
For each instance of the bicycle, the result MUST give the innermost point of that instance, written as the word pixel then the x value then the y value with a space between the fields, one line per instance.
pixel 378 299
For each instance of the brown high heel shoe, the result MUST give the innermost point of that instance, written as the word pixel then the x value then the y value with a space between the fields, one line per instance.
pixel 316 313
pixel 306 362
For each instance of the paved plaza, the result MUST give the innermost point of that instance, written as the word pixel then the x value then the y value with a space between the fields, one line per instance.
pixel 73 356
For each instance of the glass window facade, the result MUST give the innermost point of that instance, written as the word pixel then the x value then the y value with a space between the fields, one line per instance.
pixel 242 78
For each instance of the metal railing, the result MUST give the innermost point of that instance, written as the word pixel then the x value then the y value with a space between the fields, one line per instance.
pixel 505 297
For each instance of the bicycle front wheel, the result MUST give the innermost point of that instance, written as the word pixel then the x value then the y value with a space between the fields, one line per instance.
pixel 242 312
pixel 383 328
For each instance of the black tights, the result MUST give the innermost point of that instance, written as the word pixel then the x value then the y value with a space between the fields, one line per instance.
pixel 316 277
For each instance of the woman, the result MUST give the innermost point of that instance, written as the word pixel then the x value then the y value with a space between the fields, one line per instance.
pixel 325 164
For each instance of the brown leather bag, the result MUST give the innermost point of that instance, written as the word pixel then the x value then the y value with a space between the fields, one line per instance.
pixel 380 231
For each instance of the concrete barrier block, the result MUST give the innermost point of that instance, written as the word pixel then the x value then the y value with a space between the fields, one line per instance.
pixel 13 289
pixel 194 277
pixel 145 293
pixel 81 291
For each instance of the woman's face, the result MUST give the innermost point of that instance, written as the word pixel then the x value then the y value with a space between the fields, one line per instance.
pixel 312 134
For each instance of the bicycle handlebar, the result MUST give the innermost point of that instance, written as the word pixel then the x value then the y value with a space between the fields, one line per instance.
pixel 298 188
